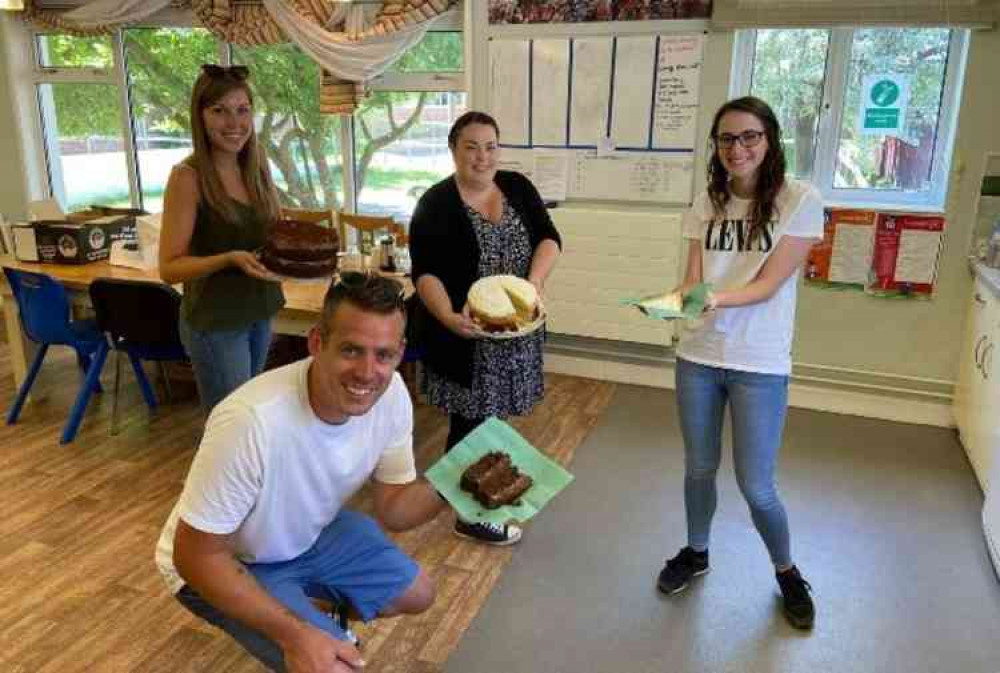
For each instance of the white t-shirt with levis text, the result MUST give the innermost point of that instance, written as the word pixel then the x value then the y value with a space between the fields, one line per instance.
pixel 273 474
pixel 756 337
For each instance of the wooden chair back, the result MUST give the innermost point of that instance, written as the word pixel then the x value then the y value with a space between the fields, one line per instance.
pixel 370 224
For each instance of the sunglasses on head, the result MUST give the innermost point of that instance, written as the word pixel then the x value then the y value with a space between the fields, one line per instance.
pixel 240 72
pixel 358 279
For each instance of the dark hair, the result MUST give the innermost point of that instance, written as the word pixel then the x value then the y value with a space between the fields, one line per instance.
pixel 367 291
pixel 470 117
pixel 771 173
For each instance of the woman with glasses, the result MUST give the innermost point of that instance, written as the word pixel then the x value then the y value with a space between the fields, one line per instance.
pixel 748 236
pixel 479 222
pixel 218 206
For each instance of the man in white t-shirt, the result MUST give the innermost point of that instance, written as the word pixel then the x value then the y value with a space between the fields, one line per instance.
pixel 259 534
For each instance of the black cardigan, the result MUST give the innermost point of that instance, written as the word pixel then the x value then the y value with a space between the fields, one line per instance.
pixel 443 244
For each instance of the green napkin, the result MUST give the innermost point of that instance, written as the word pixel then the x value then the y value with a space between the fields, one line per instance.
pixel 692 306
pixel 549 477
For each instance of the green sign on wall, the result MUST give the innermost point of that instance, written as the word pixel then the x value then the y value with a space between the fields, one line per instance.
pixel 883 103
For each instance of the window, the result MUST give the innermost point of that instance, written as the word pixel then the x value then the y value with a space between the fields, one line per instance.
pixel 163 64
pixel 867 115
pixel 401 131
pixel 302 145
pixel 114 114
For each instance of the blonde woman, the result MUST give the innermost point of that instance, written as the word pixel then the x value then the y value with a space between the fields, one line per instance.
pixel 218 206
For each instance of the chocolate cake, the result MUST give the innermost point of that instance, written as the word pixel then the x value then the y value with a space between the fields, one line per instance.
pixel 494 480
pixel 300 249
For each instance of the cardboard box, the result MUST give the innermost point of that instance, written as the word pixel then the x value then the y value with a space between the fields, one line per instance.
pixel 62 242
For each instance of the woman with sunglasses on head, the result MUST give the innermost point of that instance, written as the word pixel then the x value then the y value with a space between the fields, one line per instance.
pixel 748 236
pixel 218 205
pixel 479 222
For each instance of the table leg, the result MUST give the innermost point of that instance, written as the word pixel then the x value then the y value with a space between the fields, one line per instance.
pixel 22 349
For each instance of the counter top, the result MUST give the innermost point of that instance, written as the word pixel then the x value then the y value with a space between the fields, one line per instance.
pixel 989 276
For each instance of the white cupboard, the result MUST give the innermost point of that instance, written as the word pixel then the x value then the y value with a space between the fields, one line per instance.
pixel 977 393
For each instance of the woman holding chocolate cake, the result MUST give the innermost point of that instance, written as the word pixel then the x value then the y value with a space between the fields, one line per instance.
pixel 748 236
pixel 218 206
pixel 479 222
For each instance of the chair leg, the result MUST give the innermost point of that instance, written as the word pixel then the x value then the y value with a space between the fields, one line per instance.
pixel 166 382
pixel 140 375
pixel 114 398
pixel 29 380
pixel 90 384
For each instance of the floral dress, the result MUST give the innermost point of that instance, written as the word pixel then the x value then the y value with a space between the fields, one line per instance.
pixel 507 378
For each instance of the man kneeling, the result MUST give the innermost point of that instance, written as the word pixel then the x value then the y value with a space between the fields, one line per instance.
pixel 259 531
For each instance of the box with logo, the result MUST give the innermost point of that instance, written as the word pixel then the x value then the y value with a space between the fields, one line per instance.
pixel 64 242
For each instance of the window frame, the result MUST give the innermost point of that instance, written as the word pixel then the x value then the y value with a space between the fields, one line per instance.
pixel 831 116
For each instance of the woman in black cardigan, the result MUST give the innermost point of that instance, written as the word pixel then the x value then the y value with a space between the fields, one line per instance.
pixel 479 222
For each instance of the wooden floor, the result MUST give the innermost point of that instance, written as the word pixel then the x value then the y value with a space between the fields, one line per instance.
pixel 78 524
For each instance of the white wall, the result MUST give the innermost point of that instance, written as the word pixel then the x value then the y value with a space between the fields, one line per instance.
pixel 13 199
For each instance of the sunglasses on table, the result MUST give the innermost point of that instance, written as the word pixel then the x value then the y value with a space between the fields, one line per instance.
pixel 746 139
pixel 240 72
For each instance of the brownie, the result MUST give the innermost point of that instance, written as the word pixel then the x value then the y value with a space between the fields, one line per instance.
pixel 495 481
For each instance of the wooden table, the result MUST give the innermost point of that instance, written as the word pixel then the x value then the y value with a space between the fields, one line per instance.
pixel 303 301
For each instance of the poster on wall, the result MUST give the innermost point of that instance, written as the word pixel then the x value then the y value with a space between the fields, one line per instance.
pixel 565 11
pixel 843 259
pixel 905 255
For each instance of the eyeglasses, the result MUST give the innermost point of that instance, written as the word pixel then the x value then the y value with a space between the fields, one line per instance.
pixel 746 139
pixel 240 72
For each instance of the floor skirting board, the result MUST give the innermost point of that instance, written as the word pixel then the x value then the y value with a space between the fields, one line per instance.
pixel 884 397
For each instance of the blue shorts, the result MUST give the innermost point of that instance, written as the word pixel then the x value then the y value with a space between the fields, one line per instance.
pixel 352 561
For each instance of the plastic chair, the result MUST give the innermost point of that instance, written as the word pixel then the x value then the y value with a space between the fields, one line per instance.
pixel 45 316
pixel 140 319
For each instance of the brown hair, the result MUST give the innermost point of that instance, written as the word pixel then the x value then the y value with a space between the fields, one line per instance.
pixel 209 88
pixel 467 119
pixel 770 175
pixel 367 291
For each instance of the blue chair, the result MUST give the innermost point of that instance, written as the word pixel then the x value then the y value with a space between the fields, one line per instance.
pixel 45 316
pixel 140 319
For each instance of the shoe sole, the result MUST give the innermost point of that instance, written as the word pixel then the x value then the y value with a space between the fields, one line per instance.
pixel 502 543
pixel 684 586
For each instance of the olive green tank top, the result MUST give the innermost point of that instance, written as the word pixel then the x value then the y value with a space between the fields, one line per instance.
pixel 228 299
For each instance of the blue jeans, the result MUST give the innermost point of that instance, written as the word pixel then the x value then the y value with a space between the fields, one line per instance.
pixel 758 406
pixel 352 561
pixel 223 360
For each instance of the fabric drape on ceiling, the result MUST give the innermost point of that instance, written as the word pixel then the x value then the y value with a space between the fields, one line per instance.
pixel 352 43
pixel 735 14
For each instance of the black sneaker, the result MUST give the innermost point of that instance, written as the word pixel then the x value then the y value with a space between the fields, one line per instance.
pixel 339 615
pixel 798 604
pixel 499 535
pixel 679 570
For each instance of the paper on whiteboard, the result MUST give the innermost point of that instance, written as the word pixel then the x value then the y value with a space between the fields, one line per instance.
pixel 678 83
pixel 519 160
pixel 551 176
pixel 634 77
pixel 509 89
pixel 550 82
pixel 662 178
pixel 588 115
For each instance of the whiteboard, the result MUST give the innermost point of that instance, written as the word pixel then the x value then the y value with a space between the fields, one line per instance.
pixel 549 74
pixel 509 89
pixel 591 86
pixel 621 110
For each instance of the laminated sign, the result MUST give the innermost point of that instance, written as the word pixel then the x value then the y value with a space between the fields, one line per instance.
pixel 883 104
